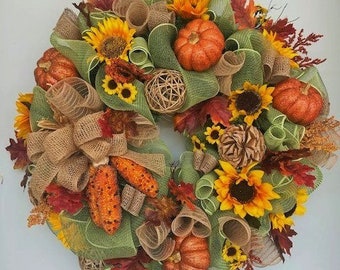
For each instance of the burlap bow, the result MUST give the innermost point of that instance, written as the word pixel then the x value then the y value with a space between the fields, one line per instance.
pixel 64 154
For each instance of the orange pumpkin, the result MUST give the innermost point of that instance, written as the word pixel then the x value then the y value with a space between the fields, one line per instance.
pixel 53 67
pixel 300 101
pixel 199 45
pixel 191 253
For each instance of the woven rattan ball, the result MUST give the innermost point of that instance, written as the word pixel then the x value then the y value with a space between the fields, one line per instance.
pixel 165 92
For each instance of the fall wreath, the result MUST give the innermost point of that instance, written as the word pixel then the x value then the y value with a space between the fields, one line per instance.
pixel 237 84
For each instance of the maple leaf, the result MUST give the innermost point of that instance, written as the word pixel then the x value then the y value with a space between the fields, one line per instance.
pixel 116 122
pixel 282 239
pixel 159 210
pixel 60 198
pixel 273 159
pixel 282 27
pixel 299 172
pixel 196 116
pixel 183 192
pixel 18 152
pixel 244 14
pixel 136 262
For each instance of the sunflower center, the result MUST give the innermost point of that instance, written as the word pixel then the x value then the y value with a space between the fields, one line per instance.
pixel 112 84
pixel 126 93
pixel 113 47
pixel 214 134
pixel 231 251
pixel 197 145
pixel 250 101
pixel 242 192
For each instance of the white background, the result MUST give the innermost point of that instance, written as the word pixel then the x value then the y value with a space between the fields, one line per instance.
pixel 25 29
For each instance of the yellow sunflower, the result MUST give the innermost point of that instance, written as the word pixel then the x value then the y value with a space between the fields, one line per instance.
pixel 22 120
pixel 54 221
pixel 213 134
pixel 110 86
pixel 250 101
pixel 190 9
pixel 243 191
pixel 112 38
pixel 198 145
pixel 280 220
pixel 281 47
pixel 233 255
pixel 127 92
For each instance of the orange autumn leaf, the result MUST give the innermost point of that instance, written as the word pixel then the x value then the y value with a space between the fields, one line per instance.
pixel 244 14
pixel 183 192
pixel 299 172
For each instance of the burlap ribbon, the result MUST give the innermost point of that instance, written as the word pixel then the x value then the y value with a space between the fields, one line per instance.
pixel 191 221
pixel 64 154
pixel 156 241
pixel 226 67
pixel 276 67
pixel 235 229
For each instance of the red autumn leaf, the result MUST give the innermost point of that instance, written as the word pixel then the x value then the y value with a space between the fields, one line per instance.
pixel 299 172
pixel 196 116
pixel 244 14
pixel 18 152
pixel 282 27
pixel 282 239
pixel 184 193
pixel 136 262
pixel 189 120
pixel 273 159
pixel 60 198
pixel 163 209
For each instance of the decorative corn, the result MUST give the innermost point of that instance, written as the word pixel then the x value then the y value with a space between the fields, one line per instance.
pixel 104 198
pixel 136 175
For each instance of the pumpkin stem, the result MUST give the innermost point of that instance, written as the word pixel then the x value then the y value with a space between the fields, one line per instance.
pixel 194 38
pixel 45 65
pixel 175 258
pixel 305 89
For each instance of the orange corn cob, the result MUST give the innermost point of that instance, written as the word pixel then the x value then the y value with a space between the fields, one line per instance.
pixel 136 175
pixel 104 198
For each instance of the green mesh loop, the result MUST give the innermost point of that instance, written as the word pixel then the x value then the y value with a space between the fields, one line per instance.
pixel 280 133
pixel 210 205
pixel 223 16
pixel 82 55
pixel 205 186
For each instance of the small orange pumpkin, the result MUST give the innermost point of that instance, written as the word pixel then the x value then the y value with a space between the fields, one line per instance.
pixel 199 45
pixel 191 253
pixel 299 101
pixel 53 67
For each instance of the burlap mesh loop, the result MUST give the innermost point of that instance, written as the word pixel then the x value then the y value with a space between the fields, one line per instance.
pixel 226 67
pixel 67 26
pixel 160 14
pixel 58 145
pixel 165 92
pixel 137 16
pixel 276 67
pixel 74 98
pixel 74 168
pixel 120 7
pixel 235 229
pixel 191 221
pixel 35 146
